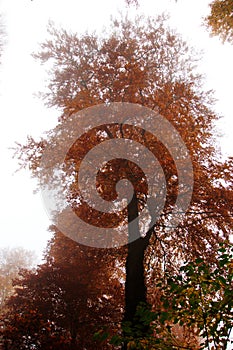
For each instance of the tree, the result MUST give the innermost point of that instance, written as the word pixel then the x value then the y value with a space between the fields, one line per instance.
pixel 11 261
pixel 220 20
pixel 65 300
pixel 141 63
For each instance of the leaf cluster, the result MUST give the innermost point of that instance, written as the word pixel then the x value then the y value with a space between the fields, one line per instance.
pixel 200 297
pixel 220 19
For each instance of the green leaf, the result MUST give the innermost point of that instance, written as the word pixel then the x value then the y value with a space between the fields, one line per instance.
pixel 116 340
pixel 164 316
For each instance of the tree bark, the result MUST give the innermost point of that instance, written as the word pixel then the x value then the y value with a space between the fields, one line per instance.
pixel 135 287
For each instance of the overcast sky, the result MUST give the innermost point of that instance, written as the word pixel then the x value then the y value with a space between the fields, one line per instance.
pixel 23 219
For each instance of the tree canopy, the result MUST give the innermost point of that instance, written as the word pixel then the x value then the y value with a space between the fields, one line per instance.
pixel 142 62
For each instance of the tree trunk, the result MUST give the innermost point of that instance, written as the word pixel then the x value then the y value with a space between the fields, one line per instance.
pixel 135 287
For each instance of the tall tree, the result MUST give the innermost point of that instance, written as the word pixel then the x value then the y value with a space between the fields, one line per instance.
pixel 220 19
pixel 143 63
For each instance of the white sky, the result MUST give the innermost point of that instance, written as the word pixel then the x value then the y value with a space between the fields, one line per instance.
pixel 23 220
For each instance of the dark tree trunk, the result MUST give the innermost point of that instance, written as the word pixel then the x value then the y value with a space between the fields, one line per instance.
pixel 135 287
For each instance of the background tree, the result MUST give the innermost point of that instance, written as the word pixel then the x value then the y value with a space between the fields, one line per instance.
pixel 65 300
pixel 11 261
pixel 220 20
pixel 140 62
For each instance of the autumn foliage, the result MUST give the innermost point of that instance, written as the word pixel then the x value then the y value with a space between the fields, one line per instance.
pixel 79 290
pixel 220 19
